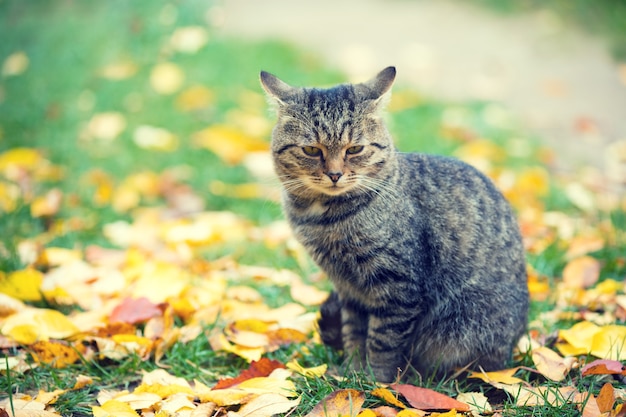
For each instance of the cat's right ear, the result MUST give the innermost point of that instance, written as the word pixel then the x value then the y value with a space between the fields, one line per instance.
pixel 275 88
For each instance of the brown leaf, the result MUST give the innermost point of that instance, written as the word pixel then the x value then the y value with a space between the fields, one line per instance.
pixel 427 399
pixel 550 364
pixel 135 310
pixel 606 398
pixel 345 402
pixel 604 367
pixel 260 368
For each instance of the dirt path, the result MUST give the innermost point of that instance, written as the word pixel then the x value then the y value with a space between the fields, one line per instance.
pixel 559 82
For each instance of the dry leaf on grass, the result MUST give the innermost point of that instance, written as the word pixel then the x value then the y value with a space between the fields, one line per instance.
pixel 345 403
pixel 427 399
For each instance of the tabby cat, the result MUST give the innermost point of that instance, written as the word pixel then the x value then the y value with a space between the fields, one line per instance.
pixel 424 253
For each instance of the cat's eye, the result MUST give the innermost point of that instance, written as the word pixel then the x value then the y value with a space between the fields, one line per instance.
pixel 353 150
pixel 312 150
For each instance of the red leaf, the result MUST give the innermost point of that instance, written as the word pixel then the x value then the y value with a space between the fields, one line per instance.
pixel 135 310
pixel 604 367
pixel 427 399
pixel 260 368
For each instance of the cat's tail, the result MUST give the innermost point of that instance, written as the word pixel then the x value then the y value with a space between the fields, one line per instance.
pixel 329 323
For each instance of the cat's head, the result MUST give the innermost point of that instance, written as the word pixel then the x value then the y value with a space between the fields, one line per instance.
pixel 331 141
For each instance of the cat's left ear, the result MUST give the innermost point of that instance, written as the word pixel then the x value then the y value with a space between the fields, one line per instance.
pixel 275 88
pixel 378 87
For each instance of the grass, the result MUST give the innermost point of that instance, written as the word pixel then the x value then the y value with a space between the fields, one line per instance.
pixel 46 107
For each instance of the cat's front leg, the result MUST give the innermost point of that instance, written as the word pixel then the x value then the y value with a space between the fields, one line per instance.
pixel 354 333
pixel 389 346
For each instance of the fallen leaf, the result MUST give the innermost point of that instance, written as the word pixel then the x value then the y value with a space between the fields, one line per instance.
pixel 505 376
pixel 532 396
pixel 477 401
pixel 189 39
pixel 606 398
pixel 195 98
pixel 48 204
pixel 134 310
pixel 581 272
pixel 388 396
pixel 104 126
pixel 384 411
pixel 23 285
pixel 345 402
pixel 609 343
pixel 550 364
pixel 55 354
pixel 155 138
pixel 31 325
pixel 603 367
pixel 15 64
pixel 266 405
pixel 114 408
pixel 307 294
pixel 260 368
pixel 427 399
pixel 313 372
pixel 230 144
pixel 166 78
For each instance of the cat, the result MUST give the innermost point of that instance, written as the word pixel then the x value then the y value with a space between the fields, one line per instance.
pixel 425 255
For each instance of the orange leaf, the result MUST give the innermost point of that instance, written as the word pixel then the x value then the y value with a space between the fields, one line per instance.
pixel 260 368
pixel 385 411
pixel 135 310
pixel 388 396
pixel 55 354
pixel 345 402
pixel 427 399
pixel 604 367
pixel 606 398
pixel 581 272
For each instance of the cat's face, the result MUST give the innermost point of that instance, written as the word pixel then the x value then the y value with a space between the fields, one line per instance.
pixel 330 141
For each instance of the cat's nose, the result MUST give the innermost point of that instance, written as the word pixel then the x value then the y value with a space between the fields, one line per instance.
pixel 334 176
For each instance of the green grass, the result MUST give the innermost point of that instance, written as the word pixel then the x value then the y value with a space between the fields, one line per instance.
pixel 68 43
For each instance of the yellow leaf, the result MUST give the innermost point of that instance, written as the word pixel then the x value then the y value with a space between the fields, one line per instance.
pixel 159 281
pixel 155 139
pixel 220 342
pixel 47 204
pixel 82 381
pixel 189 39
pixel 388 396
pixel 9 195
pixel 164 391
pixel 54 256
pixel 139 400
pixel 505 376
pixel 194 98
pixel 369 413
pixel 410 412
pixel 31 325
pixel 104 126
pixel 225 397
pixel 550 364
pixel 266 405
pixel 230 144
pixel 15 64
pixel 24 285
pixel 313 372
pixel 113 408
pixel 55 354
pixel 120 70
pixel 19 158
pixel 580 335
pixel 609 343
pixel 166 78
pixel 177 403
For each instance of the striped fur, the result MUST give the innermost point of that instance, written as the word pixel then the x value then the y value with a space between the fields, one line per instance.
pixel 424 253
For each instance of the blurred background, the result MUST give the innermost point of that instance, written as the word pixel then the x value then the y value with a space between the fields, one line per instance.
pixel 115 94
